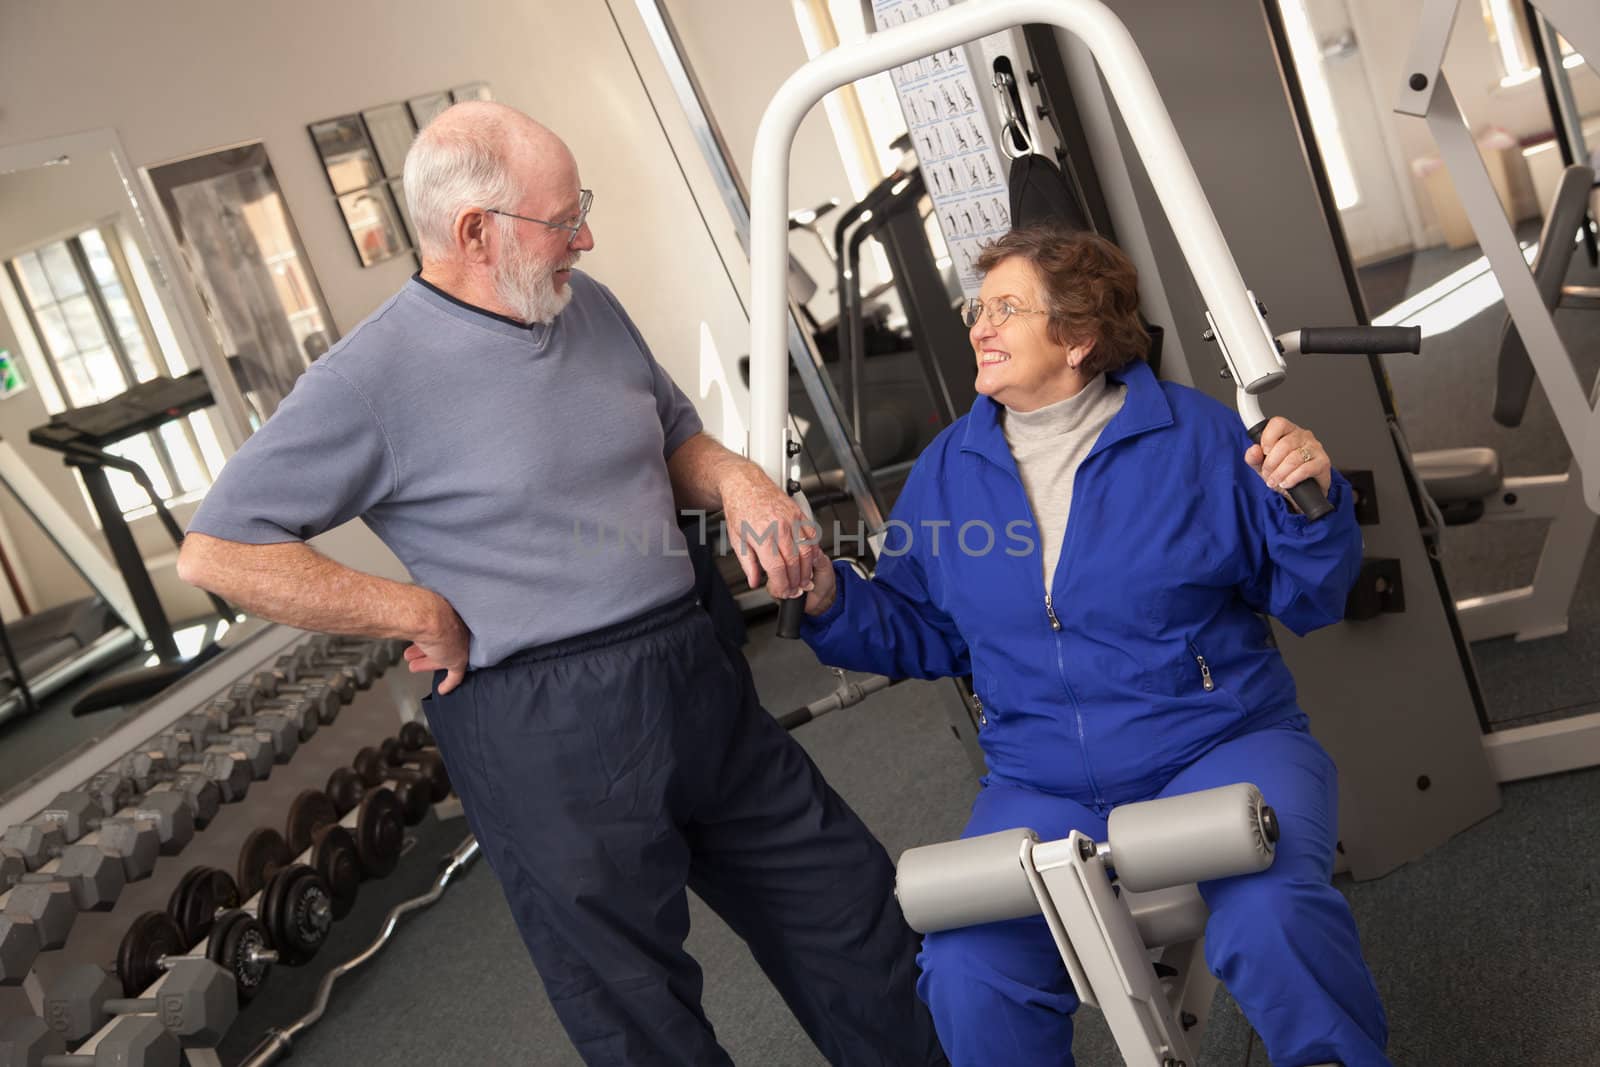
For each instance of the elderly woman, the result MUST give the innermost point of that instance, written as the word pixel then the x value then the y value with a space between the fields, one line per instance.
pixel 1098 549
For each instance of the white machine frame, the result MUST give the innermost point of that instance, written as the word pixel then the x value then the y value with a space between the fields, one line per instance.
pixel 1568 744
pixel 1105 952
pixel 1238 325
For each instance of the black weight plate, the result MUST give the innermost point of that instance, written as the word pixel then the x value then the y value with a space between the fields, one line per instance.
pixel 414 735
pixel 269 911
pixel 310 812
pixel 370 767
pixel 413 792
pixel 177 903
pixel 305 913
pixel 264 851
pixel 333 854
pixel 380 833
pixel 431 765
pixel 149 937
pixel 344 788
pixel 191 907
pixel 225 895
pixel 392 751
pixel 235 933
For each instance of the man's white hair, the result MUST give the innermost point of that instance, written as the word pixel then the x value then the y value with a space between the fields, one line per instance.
pixel 452 167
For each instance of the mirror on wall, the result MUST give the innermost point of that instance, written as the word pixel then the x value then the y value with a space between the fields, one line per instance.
pixel 235 232
pixel 89 323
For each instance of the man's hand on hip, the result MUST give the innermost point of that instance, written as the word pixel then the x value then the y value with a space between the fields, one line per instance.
pixel 442 645
pixel 769 533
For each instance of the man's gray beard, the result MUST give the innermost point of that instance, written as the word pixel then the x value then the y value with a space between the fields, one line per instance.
pixel 528 287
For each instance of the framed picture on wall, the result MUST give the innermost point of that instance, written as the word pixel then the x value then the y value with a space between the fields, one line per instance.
pixel 424 108
pixel 391 132
pixel 374 224
pixel 471 91
pixel 346 153
pixel 397 188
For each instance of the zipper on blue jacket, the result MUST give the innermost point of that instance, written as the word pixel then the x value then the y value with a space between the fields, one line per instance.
pixel 1206 682
pixel 1055 623
pixel 977 702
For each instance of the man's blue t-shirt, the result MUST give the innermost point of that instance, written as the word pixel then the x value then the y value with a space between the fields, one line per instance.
pixel 518 471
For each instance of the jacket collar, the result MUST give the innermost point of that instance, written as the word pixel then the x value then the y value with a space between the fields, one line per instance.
pixel 1144 408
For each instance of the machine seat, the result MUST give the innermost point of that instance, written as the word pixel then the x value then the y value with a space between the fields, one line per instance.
pixel 1458 475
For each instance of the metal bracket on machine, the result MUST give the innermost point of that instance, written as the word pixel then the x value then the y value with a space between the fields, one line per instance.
pixel 1425 93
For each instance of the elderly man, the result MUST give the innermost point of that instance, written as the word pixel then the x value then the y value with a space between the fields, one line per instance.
pixel 500 424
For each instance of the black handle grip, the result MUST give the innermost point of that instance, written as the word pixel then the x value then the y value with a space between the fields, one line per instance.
pixel 1360 340
pixel 1307 495
pixel 790 613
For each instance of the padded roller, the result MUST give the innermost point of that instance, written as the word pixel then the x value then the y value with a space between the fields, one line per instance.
pixel 964 883
pixel 1192 837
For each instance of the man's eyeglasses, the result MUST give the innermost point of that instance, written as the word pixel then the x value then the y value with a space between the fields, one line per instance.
pixel 573 225
pixel 999 309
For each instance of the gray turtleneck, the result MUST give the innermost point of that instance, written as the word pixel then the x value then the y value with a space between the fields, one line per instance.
pixel 1048 444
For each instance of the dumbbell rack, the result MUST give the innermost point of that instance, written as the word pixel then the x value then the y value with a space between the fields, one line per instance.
pixel 288 991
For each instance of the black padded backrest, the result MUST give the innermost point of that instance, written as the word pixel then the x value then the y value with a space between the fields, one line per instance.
pixel 1041 193
pixel 1569 208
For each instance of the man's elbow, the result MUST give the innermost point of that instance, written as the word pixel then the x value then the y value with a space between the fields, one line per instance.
pixel 195 563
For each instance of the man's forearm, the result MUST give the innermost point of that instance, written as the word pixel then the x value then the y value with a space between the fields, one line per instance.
pixel 292 583
pixel 700 468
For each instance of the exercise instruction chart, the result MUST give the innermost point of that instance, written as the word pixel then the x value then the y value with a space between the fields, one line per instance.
pixel 954 144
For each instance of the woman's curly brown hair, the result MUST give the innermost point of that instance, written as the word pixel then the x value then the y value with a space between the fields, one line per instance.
pixel 1091 291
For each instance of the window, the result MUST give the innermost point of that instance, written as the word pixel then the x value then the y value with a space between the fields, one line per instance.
pixel 97 340
pixel 1513 39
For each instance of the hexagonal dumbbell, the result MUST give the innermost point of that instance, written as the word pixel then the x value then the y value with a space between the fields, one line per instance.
pixel 228 769
pixel 159 762
pixel 19 947
pixel 95 876
pixel 132 1041
pixel 49 906
pixel 75 813
pixel 172 815
pixel 265 738
pixel 254 754
pixel 386 652
pixel 307 710
pixel 362 660
pixel 37 841
pixel 12 868
pixel 196 999
pixel 206 781
pixel 298 670
pixel 134 841
pixel 110 790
